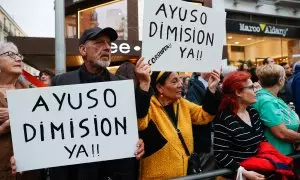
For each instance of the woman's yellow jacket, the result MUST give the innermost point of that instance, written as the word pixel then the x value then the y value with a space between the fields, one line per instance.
pixel 165 156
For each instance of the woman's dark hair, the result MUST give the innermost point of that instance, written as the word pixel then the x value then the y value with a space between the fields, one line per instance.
pixel 127 70
pixel 46 71
pixel 265 61
pixel 241 67
pixel 232 82
pixel 158 77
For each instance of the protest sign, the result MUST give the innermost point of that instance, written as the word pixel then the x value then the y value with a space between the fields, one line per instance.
pixel 182 36
pixel 73 124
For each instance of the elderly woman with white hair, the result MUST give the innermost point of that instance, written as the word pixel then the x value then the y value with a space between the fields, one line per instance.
pixel 281 121
pixel 10 70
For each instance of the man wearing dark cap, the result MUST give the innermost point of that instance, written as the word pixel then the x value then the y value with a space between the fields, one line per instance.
pixel 95 49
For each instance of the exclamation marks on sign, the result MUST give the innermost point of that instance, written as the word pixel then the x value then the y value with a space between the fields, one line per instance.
pixel 199 55
pixel 95 147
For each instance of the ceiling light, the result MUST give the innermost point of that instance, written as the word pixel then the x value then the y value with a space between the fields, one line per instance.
pixel 236 42
pixel 249 39
pixel 229 37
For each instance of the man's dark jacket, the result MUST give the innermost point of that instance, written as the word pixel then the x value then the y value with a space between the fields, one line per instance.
pixel 115 169
pixel 201 133
pixel 296 88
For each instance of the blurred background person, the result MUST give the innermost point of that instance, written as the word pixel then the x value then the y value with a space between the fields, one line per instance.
pixel 280 120
pixel 268 60
pixel 285 93
pixel 165 155
pixel 225 71
pixel 287 68
pixel 248 66
pixel 10 70
pixel 202 134
pixel 244 67
pixel 46 76
pixel 185 84
pixel 296 86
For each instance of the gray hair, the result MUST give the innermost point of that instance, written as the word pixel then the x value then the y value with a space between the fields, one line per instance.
pixel 7 46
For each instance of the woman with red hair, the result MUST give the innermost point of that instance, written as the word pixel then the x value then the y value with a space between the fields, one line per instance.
pixel 239 142
pixel 238 130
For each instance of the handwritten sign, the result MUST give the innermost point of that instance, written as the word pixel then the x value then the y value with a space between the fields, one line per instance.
pixel 182 36
pixel 73 124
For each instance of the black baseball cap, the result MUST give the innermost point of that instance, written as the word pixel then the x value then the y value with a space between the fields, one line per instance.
pixel 93 33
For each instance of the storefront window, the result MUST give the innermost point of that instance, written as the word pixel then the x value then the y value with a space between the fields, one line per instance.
pixel 243 47
pixel 71 26
pixel 112 14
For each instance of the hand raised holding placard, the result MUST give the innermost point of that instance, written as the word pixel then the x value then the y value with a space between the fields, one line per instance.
pixel 142 71
pixel 214 80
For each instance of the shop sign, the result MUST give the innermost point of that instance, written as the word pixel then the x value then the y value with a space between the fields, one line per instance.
pixel 129 48
pixel 261 29
pixel 267 29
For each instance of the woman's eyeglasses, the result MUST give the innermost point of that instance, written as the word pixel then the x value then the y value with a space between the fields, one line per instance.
pixel 249 87
pixel 13 55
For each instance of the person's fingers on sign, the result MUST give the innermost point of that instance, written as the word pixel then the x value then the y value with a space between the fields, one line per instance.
pixel 4 127
pixel 3 115
pixel 140 149
pixel 214 80
pixel 13 166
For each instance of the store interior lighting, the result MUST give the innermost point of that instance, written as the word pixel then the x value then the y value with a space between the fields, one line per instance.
pixel 296 55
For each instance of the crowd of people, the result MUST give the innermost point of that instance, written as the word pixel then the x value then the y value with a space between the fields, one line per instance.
pixel 245 122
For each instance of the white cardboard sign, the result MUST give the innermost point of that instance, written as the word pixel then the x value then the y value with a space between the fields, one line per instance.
pixel 182 36
pixel 64 125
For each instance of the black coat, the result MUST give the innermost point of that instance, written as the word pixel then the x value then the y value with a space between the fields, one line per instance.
pixel 201 133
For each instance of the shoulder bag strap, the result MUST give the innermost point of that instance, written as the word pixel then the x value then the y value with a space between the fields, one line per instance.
pixel 178 131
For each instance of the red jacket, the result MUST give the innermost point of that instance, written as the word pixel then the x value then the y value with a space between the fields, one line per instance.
pixel 269 159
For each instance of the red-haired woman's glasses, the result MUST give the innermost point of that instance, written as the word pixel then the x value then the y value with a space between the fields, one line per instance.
pixel 250 87
pixel 13 55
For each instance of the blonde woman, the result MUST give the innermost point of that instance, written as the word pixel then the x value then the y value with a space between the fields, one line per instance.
pixel 281 121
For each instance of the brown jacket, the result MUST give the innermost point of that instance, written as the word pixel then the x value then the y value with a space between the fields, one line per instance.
pixel 6 150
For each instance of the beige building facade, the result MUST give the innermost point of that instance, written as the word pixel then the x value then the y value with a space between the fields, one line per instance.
pixel 8 27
